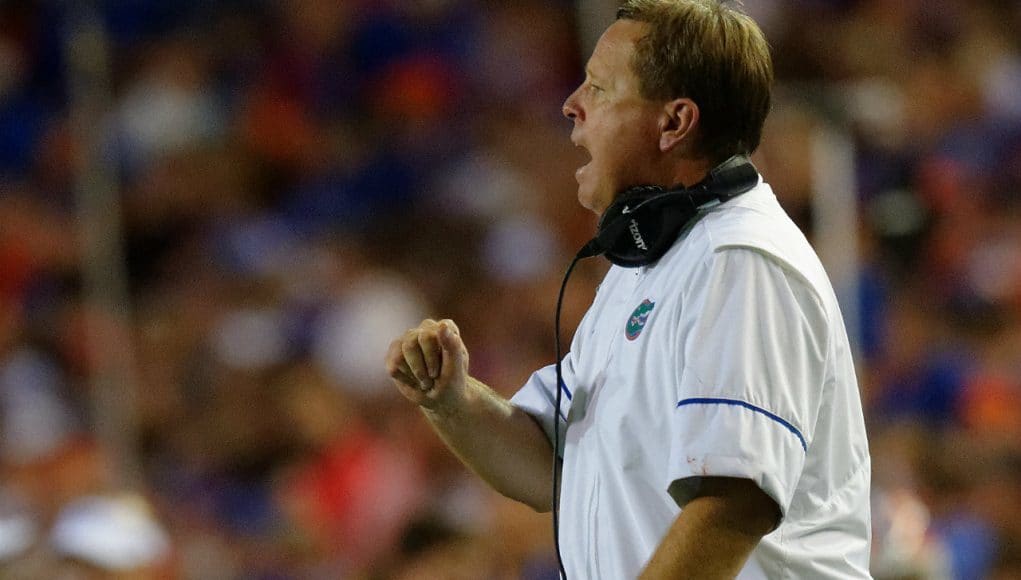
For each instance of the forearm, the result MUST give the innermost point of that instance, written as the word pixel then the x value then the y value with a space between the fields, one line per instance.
pixel 714 534
pixel 499 442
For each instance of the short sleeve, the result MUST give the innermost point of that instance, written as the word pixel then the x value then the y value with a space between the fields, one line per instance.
pixel 538 398
pixel 754 336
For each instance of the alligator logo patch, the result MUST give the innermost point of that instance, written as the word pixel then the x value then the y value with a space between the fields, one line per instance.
pixel 638 318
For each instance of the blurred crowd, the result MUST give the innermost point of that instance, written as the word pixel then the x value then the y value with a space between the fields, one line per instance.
pixel 302 180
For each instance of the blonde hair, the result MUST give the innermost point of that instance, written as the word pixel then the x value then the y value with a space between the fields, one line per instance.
pixel 712 54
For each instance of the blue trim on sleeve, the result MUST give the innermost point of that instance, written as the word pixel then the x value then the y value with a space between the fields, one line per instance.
pixel 567 391
pixel 736 403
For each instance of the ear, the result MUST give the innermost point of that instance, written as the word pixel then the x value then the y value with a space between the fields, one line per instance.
pixel 678 124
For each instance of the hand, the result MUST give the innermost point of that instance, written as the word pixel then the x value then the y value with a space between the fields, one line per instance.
pixel 429 364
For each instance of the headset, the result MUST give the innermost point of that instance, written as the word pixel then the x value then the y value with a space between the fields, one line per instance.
pixel 638 227
pixel 643 222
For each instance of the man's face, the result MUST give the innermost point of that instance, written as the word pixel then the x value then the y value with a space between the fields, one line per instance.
pixel 612 122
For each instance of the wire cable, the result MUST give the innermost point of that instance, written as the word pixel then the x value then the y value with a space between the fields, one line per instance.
pixel 590 249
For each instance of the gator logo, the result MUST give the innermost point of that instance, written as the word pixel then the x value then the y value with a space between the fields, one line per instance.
pixel 638 318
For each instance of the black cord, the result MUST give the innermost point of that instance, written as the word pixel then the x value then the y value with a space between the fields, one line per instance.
pixel 590 249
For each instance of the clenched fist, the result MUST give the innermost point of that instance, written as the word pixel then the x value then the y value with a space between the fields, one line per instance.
pixel 429 363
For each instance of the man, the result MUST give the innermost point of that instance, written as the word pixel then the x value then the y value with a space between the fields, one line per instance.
pixel 711 425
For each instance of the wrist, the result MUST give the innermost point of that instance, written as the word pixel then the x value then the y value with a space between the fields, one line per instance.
pixel 448 403
pixel 439 412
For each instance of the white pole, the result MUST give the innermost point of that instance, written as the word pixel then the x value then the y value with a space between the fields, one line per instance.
pixel 835 212
pixel 112 382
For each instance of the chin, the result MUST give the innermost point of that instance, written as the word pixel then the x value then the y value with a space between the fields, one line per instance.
pixel 584 197
pixel 587 201
pixel 593 200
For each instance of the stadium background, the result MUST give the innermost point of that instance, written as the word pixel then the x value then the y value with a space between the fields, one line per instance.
pixel 300 181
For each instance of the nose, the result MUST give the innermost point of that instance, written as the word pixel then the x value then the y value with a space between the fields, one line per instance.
pixel 572 108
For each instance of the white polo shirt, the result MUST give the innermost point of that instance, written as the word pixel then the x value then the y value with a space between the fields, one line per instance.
pixel 727 357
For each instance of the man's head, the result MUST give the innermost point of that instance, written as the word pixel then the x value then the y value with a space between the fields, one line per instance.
pixel 673 87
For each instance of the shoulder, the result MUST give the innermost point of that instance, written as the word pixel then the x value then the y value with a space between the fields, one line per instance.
pixel 743 243
pixel 756 221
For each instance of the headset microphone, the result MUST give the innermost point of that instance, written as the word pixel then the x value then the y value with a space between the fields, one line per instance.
pixel 636 230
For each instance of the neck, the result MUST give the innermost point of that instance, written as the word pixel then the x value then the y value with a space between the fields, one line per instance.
pixel 691 171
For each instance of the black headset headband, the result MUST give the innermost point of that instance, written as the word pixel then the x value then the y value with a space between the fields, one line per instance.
pixel 643 222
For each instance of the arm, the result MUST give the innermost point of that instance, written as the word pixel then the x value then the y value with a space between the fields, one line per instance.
pixel 498 441
pixel 716 531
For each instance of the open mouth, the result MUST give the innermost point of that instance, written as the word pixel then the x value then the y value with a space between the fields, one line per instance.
pixel 581 170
